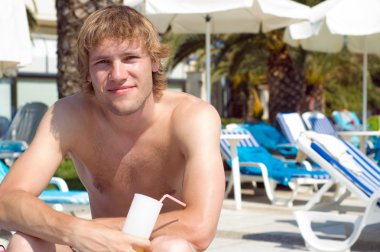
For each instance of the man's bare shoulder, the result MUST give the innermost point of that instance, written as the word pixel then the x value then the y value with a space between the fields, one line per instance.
pixel 184 103
pixel 72 105
pixel 191 111
pixel 69 113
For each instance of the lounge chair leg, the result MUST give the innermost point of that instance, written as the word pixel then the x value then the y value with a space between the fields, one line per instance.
pixel 318 196
pixel 229 186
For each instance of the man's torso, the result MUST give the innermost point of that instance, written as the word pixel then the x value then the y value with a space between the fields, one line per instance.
pixel 113 167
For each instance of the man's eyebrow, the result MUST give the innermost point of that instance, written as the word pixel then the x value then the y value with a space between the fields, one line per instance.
pixel 125 53
pixel 98 57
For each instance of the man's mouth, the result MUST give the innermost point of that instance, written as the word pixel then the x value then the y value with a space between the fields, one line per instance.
pixel 120 89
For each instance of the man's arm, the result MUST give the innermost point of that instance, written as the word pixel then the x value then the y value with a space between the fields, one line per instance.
pixel 20 208
pixel 197 128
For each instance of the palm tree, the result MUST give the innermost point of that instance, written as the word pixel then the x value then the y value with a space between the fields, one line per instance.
pixel 70 17
pixel 241 57
pixel 286 82
pixel 229 60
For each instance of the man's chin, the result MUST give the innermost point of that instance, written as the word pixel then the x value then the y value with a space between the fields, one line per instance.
pixel 124 110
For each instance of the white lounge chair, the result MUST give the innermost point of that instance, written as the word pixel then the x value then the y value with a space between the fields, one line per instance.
pixel 319 123
pixel 291 125
pixel 348 166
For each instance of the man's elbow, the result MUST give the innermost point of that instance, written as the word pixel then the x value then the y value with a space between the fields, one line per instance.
pixel 3 195
pixel 202 235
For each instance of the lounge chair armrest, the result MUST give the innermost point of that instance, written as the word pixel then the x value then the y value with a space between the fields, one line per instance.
pixel 269 184
pixel 307 165
pixel 251 164
pixel 304 164
pixel 60 184
pixel 262 167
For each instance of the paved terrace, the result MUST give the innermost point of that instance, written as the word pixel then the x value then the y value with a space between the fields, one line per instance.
pixel 260 226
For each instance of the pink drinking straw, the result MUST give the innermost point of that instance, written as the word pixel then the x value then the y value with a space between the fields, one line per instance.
pixel 173 199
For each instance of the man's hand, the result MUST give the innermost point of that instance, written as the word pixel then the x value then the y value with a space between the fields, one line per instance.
pixel 100 237
pixel 113 223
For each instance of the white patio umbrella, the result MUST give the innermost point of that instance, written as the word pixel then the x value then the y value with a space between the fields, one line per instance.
pixel 223 16
pixel 15 45
pixel 337 23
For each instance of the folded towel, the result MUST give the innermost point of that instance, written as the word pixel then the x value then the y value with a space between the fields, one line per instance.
pixel 336 148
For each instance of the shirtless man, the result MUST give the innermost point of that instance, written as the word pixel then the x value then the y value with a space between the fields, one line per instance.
pixel 126 135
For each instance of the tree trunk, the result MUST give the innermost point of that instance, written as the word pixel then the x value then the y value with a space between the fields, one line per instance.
pixel 70 17
pixel 286 84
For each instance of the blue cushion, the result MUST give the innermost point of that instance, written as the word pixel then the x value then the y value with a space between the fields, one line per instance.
pixel 55 196
pixel 3 171
pixel 269 137
pixel 71 197
pixel 11 146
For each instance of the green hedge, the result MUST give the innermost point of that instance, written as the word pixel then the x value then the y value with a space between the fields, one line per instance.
pixel 373 122
pixel 67 171
pixel 228 120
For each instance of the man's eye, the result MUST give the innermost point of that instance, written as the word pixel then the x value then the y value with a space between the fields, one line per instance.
pixel 132 57
pixel 101 62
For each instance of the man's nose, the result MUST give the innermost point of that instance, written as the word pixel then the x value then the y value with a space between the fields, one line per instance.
pixel 118 71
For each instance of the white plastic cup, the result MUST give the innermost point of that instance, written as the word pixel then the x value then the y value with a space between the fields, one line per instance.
pixel 142 216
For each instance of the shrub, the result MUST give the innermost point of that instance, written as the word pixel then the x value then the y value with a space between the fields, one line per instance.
pixel 66 170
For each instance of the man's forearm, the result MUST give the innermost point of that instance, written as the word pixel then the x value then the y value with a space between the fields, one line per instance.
pixel 20 211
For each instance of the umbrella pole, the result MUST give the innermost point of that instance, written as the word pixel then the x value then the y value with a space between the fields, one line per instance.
pixel 365 66
pixel 208 58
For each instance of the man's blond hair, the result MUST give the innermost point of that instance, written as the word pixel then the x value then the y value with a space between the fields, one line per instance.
pixel 121 23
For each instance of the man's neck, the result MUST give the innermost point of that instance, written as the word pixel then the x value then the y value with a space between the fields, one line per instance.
pixel 136 122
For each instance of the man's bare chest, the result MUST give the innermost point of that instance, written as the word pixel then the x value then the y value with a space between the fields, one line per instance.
pixel 117 165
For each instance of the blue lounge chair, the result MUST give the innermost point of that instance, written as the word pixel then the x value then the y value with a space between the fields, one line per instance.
pixel 21 131
pixel 351 168
pixel 271 139
pixel 258 165
pixel 61 198
pixel 346 120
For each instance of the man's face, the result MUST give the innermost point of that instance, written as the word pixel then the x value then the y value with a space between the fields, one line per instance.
pixel 121 74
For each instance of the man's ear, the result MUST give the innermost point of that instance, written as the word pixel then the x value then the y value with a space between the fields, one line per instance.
pixel 155 66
